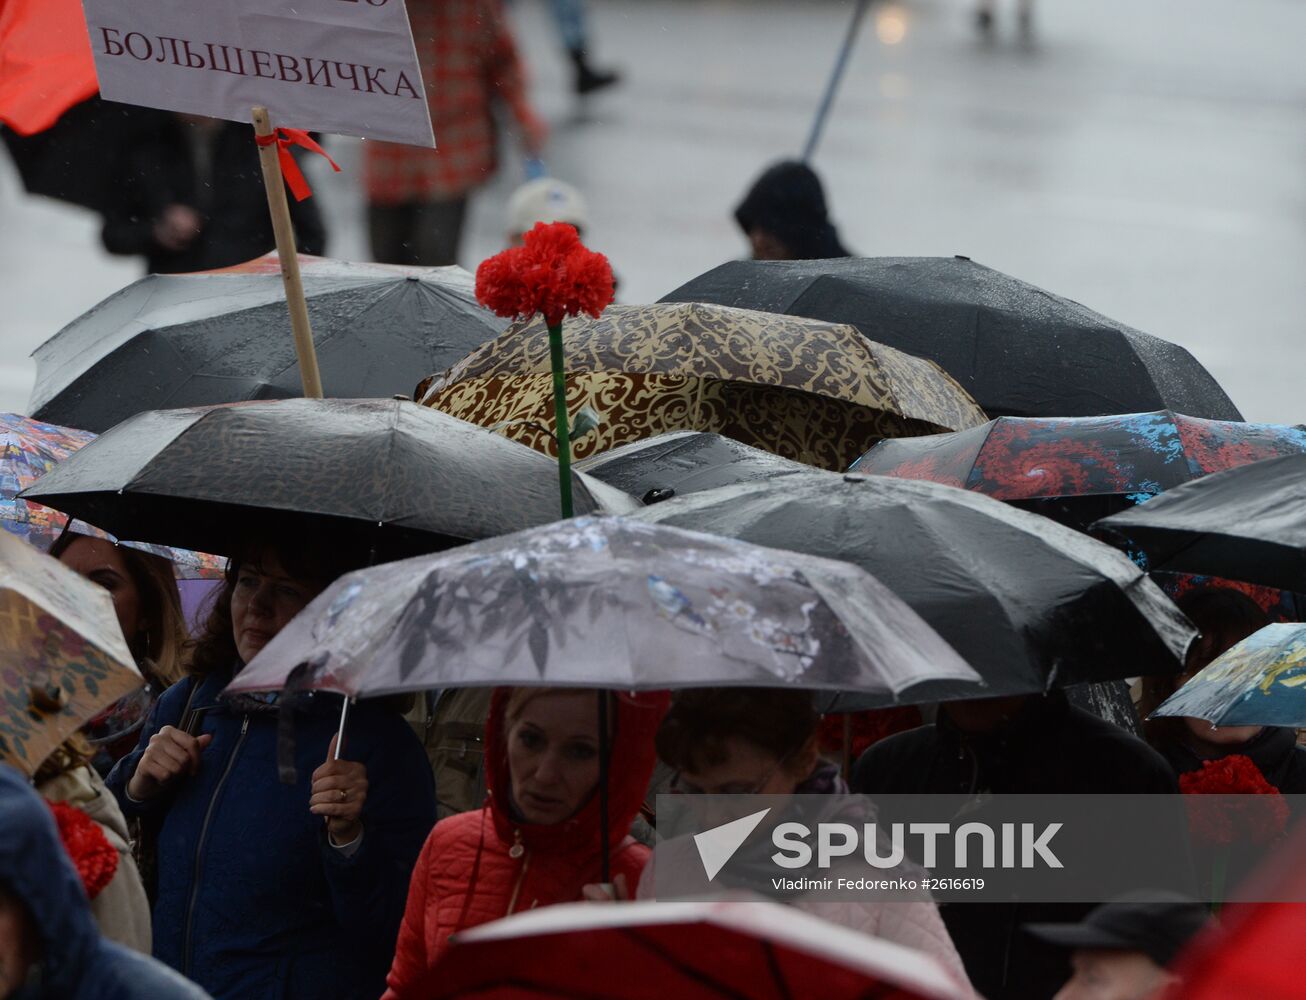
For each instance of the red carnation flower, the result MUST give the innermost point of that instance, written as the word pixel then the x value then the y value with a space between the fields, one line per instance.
pixel 551 273
pixel 1224 821
pixel 95 859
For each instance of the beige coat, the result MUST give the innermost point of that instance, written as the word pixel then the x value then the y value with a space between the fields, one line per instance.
pixel 121 909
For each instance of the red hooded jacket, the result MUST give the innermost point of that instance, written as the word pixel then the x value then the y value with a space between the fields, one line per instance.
pixel 482 865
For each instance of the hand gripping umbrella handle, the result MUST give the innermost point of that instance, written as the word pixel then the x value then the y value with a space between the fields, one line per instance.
pixel 340 732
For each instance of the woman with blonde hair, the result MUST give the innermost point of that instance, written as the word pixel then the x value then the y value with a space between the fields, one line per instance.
pixel 537 840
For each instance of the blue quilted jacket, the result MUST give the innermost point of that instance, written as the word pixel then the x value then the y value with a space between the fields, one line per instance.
pixel 253 902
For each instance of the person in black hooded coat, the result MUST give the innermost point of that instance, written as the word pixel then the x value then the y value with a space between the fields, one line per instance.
pixel 784 216
pixel 1026 744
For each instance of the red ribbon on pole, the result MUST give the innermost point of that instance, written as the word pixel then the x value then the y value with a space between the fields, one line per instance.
pixel 285 138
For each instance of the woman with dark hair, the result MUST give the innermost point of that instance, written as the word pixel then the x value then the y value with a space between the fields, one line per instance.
pixel 268 889
pixel 148 608
pixel 764 741
pixel 1224 617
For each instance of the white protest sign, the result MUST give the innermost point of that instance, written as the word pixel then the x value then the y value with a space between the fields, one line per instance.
pixel 342 66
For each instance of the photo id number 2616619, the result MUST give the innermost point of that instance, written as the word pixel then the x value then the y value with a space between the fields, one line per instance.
pixel 951 884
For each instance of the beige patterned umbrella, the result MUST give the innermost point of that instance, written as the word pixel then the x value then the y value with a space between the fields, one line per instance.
pixel 63 657
pixel 812 391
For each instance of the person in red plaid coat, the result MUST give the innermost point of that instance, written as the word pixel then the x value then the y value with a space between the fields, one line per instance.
pixel 417 198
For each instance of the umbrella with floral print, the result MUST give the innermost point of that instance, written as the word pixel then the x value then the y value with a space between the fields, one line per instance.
pixel 607 602
pixel 63 657
pixel 1079 469
pixel 31 449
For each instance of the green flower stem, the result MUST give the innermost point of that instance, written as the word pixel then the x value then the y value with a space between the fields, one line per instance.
pixel 561 420
pixel 1219 872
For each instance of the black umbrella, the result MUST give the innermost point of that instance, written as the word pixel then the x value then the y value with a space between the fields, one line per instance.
pixel 661 467
pixel 389 473
pixel 1248 524
pixel 1028 603
pixel 1018 350
pixel 224 336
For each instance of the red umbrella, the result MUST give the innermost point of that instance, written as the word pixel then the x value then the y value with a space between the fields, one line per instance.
pixel 45 62
pixel 737 949
pixel 1258 954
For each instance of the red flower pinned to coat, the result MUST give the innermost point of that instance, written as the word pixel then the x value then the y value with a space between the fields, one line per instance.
pixel 1225 822
pixel 95 859
pixel 552 273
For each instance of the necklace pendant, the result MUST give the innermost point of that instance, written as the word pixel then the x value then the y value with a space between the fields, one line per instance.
pixel 516 851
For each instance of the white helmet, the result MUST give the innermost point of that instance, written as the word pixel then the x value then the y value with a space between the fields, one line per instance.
pixel 545 199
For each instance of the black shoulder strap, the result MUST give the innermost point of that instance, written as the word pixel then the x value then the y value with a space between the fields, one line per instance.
pixel 187 716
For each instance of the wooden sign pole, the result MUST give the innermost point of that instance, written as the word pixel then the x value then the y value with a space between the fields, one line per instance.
pixel 285 236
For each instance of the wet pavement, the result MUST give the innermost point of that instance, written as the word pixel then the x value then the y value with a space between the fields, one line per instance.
pixel 1148 160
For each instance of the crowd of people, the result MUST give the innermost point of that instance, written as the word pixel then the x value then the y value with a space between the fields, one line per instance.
pixel 264 851
pixel 260 864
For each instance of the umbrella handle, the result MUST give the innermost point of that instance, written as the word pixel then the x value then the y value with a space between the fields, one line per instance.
pixel 340 732
pixel 604 750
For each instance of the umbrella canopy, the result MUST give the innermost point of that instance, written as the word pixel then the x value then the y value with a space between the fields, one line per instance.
pixel 172 340
pixel 1261 681
pixel 63 657
pixel 31 449
pixel 385 473
pixel 684 462
pixel 1081 469
pixel 1018 350
pixel 607 602
pixel 721 950
pixel 1028 603
pixel 1248 523
pixel 815 392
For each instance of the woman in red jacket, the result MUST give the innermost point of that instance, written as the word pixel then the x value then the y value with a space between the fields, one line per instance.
pixel 537 840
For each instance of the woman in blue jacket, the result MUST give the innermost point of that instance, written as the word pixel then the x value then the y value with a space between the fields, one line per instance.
pixel 269 889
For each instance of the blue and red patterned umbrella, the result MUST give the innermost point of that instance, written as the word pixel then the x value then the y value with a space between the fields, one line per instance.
pixel 1079 469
